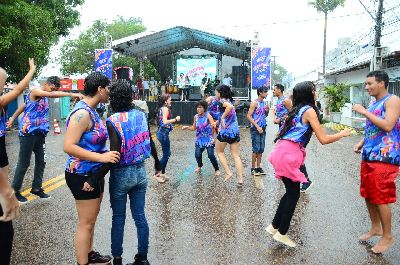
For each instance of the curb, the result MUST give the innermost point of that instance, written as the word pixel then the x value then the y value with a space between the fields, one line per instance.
pixel 338 127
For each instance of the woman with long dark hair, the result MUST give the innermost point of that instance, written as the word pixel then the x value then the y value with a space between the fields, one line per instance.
pixel 164 128
pixel 289 154
pixel 228 132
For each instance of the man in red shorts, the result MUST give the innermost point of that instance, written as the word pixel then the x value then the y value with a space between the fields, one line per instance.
pixel 380 157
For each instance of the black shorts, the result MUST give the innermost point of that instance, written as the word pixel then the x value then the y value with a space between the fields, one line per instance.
pixel 75 184
pixel 6 235
pixel 228 139
pixel 3 152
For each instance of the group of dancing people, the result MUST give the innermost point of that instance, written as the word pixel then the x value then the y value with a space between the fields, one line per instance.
pixel 131 144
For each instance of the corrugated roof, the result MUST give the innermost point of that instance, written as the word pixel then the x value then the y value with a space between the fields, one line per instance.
pixel 155 44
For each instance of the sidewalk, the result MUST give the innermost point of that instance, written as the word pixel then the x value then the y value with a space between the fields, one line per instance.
pixel 356 125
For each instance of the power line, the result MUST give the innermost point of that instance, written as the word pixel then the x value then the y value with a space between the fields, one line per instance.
pixel 286 22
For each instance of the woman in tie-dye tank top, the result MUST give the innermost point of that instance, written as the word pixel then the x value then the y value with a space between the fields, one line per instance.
pixel 228 133
pixel 289 154
pixel 203 125
pixel 85 144
pixel 165 122
pixel 130 135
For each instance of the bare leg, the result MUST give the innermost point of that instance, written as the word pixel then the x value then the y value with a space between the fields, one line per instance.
pixel 238 161
pixel 253 160
pixel 376 228
pixel 87 215
pixel 259 156
pixel 220 147
pixel 385 215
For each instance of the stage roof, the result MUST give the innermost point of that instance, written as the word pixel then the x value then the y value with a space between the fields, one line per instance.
pixel 152 45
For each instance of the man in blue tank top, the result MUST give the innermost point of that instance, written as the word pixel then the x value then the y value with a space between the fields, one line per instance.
pixel 257 116
pixel 33 129
pixel 380 158
pixel 283 105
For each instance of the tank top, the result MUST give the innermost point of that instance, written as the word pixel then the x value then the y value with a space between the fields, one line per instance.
pixel 204 132
pixel 380 145
pixel 260 114
pixel 133 131
pixel 232 126
pixel 213 108
pixel 93 140
pixel 298 132
pixel 280 109
pixel 160 120
pixel 35 117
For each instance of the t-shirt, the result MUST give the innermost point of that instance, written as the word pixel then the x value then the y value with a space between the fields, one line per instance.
pixel 145 85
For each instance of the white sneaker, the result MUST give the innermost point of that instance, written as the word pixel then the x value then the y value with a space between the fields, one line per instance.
pixel 271 230
pixel 284 239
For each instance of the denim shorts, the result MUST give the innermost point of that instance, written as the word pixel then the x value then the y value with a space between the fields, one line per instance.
pixel 257 140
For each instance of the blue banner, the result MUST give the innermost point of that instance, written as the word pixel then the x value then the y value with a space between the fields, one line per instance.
pixel 260 67
pixel 103 62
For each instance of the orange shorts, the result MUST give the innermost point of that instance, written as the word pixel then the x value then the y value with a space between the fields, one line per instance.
pixel 378 182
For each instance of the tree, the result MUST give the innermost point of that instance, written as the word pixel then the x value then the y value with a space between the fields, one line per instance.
pixel 28 28
pixel 336 97
pixel 325 7
pixel 77 55
pixel 278 73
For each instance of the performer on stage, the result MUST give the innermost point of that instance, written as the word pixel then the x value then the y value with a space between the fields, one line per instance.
pixel 181 85
pixel 205 84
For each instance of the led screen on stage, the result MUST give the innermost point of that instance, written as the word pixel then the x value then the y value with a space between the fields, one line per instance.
pixel 195 68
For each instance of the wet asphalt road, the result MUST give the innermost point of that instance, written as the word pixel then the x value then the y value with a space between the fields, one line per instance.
pixel 200 219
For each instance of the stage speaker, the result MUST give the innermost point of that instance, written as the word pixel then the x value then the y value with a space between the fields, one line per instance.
pixel 123 73
pixel 175 97
pixel 195 97
pixel 239 76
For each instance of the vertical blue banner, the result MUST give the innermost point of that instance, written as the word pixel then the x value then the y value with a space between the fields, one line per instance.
pixel 103 62
pixel 260 67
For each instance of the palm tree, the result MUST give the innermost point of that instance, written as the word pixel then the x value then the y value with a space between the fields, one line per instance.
pixel 325 6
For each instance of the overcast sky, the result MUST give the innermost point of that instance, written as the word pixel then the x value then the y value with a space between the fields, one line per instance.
pixel 292 28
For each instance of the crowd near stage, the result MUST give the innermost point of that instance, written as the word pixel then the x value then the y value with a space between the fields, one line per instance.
pixel 187 110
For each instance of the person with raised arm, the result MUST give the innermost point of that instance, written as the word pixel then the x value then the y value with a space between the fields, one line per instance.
pixel 301 122
pixel 9 207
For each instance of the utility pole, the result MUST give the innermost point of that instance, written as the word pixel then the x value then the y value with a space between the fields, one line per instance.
pixel 272 71
pixel 376 63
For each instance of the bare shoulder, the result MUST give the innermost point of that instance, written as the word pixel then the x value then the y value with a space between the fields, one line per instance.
pixel 394 100
pixel 80 116
pixel 310 113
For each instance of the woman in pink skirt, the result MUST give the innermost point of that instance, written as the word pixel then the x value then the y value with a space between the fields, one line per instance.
pixel 289 154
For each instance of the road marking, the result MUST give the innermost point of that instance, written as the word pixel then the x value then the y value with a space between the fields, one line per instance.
pixel 47 185
pixel 48 189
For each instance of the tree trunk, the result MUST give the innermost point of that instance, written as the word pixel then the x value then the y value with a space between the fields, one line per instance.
pixel 324 48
